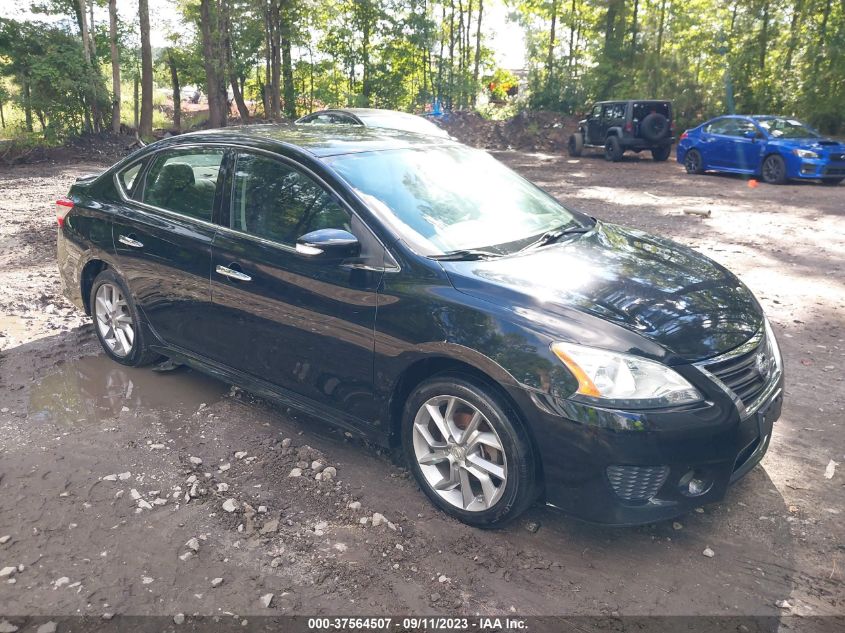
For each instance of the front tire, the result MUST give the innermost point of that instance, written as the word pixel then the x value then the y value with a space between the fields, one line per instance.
pixel 468 451
pixel 774 170
pixel 576 144
pixel 613 150
pixel 117 321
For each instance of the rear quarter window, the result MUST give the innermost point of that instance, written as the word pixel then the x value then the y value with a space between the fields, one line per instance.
pixel 128 177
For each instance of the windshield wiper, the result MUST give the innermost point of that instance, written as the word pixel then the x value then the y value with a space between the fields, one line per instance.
pixel 554 235
pixel 464 255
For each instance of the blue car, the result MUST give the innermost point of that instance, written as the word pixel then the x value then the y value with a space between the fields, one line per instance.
pixel 774 148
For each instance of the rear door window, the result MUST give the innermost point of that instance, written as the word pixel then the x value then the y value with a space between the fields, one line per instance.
pixel 184 182
pixel 275 201
pixel 720 126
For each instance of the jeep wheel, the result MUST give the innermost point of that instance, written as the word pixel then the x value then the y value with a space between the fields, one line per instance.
pixel 660 154
pixel 612 149
pixel 654 127
pixel 693 162
pixel 576 144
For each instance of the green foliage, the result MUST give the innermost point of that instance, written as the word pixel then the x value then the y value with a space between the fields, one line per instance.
pixel 784 57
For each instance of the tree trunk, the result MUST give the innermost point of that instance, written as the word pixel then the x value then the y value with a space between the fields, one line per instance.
pixel 797 13
pixel 365 60
pixel 550 56
pixel 275 63
pixel 86 54
pixel 213 80
pixel 477 52
pixel 2 116
pixel 287 75
pixel 145 126
pixel 451 53
pixel 115 68
pixel 27 104
pixel 177 92
pixel 137 99
pixel 634 30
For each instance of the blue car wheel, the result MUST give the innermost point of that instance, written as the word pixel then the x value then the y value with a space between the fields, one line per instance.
pixel 774 170
pixel 693 162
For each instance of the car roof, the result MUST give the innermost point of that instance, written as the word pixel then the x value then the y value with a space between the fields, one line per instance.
pixel 320 141
pixel 634 100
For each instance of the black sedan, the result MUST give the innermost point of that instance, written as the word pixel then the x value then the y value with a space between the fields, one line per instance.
pixel 419 293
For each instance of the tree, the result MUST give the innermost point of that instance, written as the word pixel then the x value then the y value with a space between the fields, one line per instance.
pixel 145 125
pixel 115 67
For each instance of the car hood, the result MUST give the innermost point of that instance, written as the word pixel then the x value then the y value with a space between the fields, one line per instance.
pixel 669 294
pixel 816 144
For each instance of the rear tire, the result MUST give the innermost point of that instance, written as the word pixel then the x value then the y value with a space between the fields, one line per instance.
pixel 661 154
pixel 654 127
pixel 613 150
pixel 468 451
pixel 117 321
pixel 773 170
pixel 693 162
pixel 832 182
pixel 576 144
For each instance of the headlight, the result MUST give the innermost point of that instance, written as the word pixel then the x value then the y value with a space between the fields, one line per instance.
pixel 623 381
pixel 805 153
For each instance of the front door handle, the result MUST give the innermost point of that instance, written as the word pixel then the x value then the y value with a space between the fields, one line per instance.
pixel 123 239
pixel 232 274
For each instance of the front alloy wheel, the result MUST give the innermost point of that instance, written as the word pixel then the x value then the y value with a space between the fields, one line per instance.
pixel 468 450
pixel 114 320
pixel 459 453
pixel 774 170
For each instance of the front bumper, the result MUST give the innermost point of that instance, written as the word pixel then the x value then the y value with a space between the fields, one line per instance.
pixel 634 467
pixel 817 169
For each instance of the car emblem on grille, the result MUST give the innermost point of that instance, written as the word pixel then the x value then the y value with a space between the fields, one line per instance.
pixel 762 363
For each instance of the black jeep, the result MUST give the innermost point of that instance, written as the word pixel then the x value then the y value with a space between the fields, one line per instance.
pixel 617 126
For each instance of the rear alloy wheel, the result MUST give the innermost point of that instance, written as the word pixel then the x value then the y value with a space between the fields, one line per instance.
pixel 468 453
pixel 612 149
pixel 693 162
pixel 117 322
pixel 774 170
pixel 660 154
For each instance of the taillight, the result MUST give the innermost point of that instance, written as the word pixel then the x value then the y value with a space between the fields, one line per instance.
pixel 63 207
pixel 629 127
pixel 684 135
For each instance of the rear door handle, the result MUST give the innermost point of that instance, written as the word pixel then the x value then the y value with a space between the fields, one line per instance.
pixel 232 274
pixel 130 242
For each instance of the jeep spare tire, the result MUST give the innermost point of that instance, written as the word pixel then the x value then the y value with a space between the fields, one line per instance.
pixel 654 127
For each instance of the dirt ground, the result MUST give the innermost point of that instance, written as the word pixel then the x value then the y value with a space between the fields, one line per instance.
pixel 108 510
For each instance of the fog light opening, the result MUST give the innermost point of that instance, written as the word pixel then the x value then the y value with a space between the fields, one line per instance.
pixel 695 483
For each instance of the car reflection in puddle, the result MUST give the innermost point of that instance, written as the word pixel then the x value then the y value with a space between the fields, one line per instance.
pixel 95 388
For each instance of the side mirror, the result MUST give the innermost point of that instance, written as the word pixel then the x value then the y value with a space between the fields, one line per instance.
pixel 753 135
pixel 329 245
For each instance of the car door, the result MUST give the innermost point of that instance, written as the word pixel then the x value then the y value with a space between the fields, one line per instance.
pixel 162 236
pixel 303 324
pixel 594 132
pixel 747 145
pixel 715 143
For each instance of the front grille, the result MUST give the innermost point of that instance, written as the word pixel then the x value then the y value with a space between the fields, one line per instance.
pixel 834 171
pixel 636 483
pixel 746 373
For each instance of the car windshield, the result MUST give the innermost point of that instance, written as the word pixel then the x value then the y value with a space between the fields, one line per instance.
pixel 451 198
pixel 409 123
pixel 787 128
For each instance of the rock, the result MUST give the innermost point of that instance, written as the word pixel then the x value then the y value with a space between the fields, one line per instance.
pixel 179 618
pixel 134 494
pixel 267 600
pixel 532 526
pixel 159 501
pixel 329 473
pixel 186 556
pixel 61 582
pixel 317 466
pixel 124 476
pixel 286 442
pixel 216 582
pixel 302 465
pixel 107 616
pixel 354 505
pixel 230 505
pixel 296 472
pixel 677 526
pixel 222 487
pixel 378 519
pixel 321 528
pixel 47 627
pixel 276 562
pixel 146 580
pixel 193 543
pixel 783 604
pixel 156 447
pixel 5 539
pixel 110 478
pixel 444 578
pixel 435 597
pixel 709 553
pixel 196 461
pixel 262 509
pixel 224 467
pixel 270 527
pixel 240 454
pixel 7 627
pixel 145 505
pixel 7 572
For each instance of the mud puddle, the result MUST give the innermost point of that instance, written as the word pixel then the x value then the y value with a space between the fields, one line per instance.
pixel 95 388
